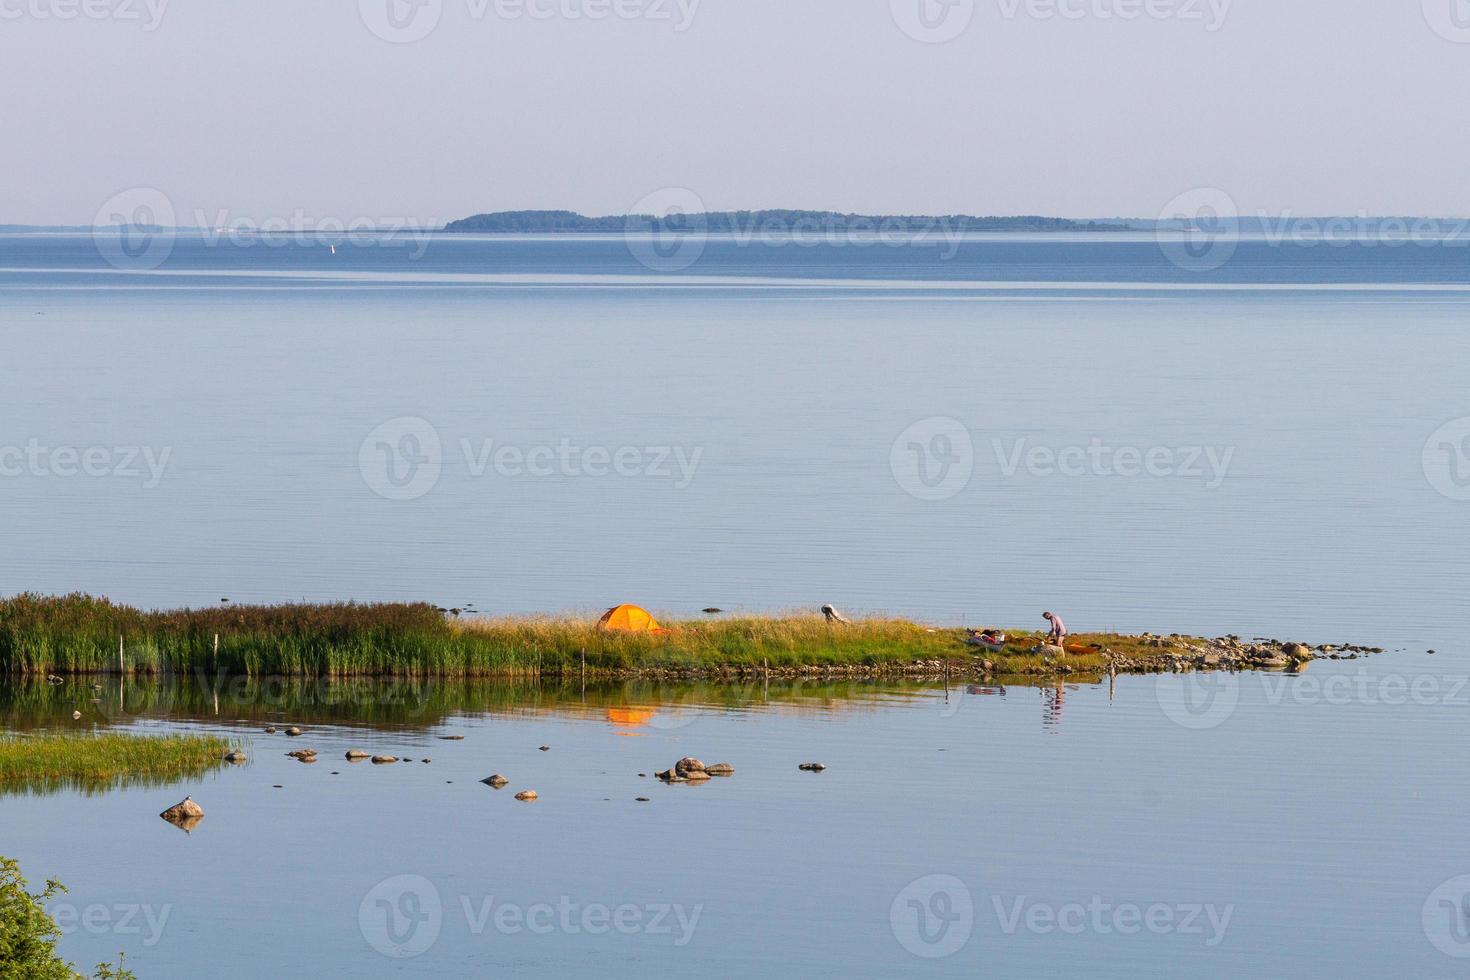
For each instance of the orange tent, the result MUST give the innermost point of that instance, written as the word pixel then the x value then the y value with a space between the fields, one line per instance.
pixel 629 619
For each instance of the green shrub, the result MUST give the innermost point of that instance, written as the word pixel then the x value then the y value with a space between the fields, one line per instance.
pixel 28 936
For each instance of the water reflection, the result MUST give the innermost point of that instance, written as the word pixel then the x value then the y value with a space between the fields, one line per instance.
pixel 49 785
pixel 630 707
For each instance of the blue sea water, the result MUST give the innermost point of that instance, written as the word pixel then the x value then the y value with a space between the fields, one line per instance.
pixel 964 432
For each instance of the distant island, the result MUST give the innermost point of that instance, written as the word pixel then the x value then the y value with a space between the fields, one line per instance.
pixel 759 222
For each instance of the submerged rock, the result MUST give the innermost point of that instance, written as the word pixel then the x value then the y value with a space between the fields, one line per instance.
pixel 451 738
pixel 383 760
pixel 811 767
pixel 526 795
pixel 270 729
pixel 303 754
pixel 720 769
pixel 545 748
pixel 293 731
pixel 236 757
pixel 357 755
pixel 498 781
pixel 1297 651
pixel 688 765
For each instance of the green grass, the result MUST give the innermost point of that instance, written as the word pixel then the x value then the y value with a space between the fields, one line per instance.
pixel 80 634
pixel 61 758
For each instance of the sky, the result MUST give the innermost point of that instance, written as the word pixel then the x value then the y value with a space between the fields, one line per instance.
pixel 429 110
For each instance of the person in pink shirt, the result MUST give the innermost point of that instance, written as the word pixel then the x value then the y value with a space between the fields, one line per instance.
pixel 1058 629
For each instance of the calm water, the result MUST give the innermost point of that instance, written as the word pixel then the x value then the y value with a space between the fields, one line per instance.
pixel 771 399
pixel 1275 446
pixel 1316 827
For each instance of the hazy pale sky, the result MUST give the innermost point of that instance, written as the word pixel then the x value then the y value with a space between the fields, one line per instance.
pixel 275 108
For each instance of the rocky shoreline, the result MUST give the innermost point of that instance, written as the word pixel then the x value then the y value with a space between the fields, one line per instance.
pixel 1159 654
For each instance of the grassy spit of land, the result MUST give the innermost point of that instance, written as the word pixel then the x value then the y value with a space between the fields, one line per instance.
pixel 105 758
pixel 80 634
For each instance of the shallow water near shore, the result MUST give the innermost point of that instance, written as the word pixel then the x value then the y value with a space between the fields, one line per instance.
pixel 1310 815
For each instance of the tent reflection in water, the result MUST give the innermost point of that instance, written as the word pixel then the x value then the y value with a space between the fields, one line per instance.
pixel 630 717
pixel 629 619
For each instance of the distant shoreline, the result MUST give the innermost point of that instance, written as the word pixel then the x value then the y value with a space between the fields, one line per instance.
pixel 775 223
